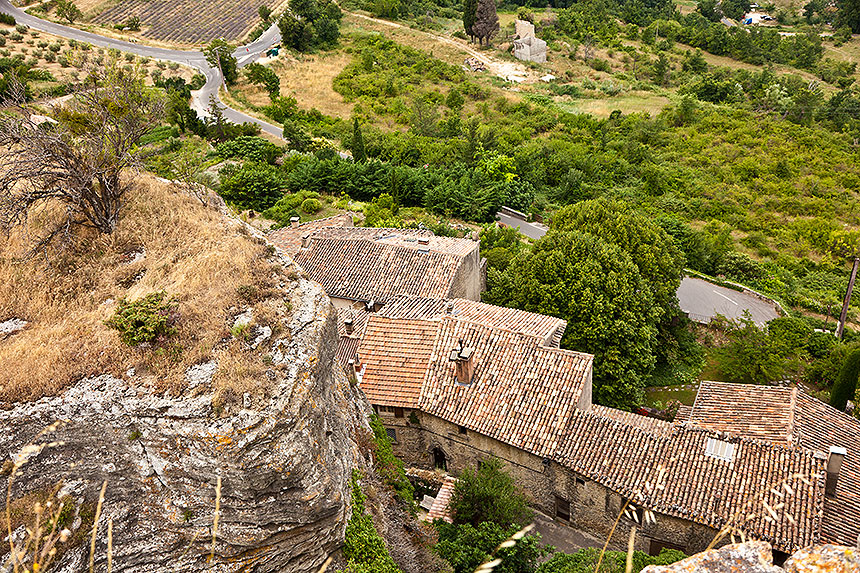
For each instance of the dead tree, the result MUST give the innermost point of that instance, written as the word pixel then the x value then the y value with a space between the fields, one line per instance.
pixel 77 159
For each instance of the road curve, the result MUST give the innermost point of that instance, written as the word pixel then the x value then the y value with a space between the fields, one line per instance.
pixel 195 59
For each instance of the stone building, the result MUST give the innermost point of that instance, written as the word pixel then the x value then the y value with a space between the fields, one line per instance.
pixel 456 382
pixel 365 267
pixel 527 46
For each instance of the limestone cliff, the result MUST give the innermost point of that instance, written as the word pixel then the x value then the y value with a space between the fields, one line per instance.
pixel 284 456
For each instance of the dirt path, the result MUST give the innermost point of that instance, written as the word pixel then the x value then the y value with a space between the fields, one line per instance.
pixel 510 71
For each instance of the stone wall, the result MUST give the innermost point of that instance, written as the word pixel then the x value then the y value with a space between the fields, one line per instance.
pixel 593 507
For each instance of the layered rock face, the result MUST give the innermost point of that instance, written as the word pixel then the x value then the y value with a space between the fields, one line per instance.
pixel 284 457
pixel 756 557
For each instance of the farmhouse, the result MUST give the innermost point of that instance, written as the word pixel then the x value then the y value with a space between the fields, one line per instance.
pixel 367 267
pixel 455 382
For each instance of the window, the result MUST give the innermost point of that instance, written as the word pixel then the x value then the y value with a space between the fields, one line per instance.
pixel 462 430
pixel 562 508
pixel 392 434
pixel 398 412
pixel 385 410
pixel 720 450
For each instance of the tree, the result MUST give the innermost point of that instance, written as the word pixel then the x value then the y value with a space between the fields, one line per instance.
pixel 751 355
pixel 296 136
pixel 264 76
pixel 846 384
pixel 79 163
pixel 848 14
pixel 651 249
pixel 252 185
pixel 488 494
pixel 359 155
pixel 470 7
pixel 598 289
pixel 219 54
pixel 486 21
pixel 661 69
pixel 310 24
pixel 466 546
pixel 68 10
pixel 265 13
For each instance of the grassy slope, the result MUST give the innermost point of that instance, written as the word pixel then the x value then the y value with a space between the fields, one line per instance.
pixel 192 252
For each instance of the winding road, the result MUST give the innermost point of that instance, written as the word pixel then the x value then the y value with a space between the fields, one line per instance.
pixel 199 99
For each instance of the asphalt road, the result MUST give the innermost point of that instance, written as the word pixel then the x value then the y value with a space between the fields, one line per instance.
pixel 702 301
pixel 200 98
pixel 530 230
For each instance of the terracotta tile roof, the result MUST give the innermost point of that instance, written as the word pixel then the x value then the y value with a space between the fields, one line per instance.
pixel 289 239
pixel 653 425
pixel 440 509
pixel 763 412
pixel 697 486
pixel 521 393
pixel 394 357
pixel 415 239
pixel 547 328
pixel 359 321
pixel 683 414
pixel 365 271
pixel 799 420
pixel 347 348
pixel 819 426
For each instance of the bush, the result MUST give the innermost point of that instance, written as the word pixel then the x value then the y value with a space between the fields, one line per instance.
pixel 251 148
pixel 846 384
pixel 585 560
pixel 311 206
pixel 149 319
pixel 363 547
pixel 389 466
pixel 466 546
pixel 8 19
pixel 252 185
pixel 488 495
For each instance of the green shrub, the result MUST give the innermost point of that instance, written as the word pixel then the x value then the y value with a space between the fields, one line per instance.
pixel 489 494
pixel 252 185
pixel 363 547
pixel 846 384
pixel 311 206
pixel 149 319
pixel 8 19
pixel 251 148
pixel 390 467
pixel 585 561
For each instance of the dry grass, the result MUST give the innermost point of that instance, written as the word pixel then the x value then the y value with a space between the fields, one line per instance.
pixel 192 252
pixel 309 80
pixel 635 102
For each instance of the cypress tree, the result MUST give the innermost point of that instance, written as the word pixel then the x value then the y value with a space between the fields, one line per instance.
pixel 470 8
pixel 846 384
pixel 486 21
pixel 358 153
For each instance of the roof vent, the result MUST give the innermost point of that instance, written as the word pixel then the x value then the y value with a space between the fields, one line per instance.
pixel 449 307
pixel 423 240
pixel 464 365
pixel 424 250
pixel 306 240
pixel 834 465
pixel 294 222
pixel 719 449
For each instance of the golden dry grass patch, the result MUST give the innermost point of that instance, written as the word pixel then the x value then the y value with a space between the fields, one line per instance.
pixel 192 252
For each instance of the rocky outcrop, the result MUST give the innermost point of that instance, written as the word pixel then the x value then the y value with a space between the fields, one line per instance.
pixel 284 456
pixel 756 557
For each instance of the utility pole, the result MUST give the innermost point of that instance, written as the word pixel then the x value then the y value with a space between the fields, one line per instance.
pixel 847 301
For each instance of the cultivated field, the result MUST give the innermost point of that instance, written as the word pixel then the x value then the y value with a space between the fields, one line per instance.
pixel 190 21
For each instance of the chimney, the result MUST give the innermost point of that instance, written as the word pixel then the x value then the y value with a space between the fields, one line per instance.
pixel 294 222
pixel 449 307
pixel 423 240
pixel 464 366
pixel 834 465
pixel 347 324
pixel 306 239
pixel 350 370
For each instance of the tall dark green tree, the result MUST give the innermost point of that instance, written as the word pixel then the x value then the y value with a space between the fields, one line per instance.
pixel 846 384
pixel 469 9
pixel 359 155
pixel 486 21
pixel 848 14
pixel 598 289
pixel 310 24
pixel 488 494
